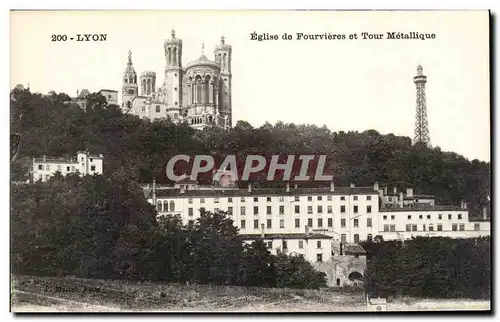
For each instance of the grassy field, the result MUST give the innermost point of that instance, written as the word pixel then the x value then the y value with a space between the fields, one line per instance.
pixel 36 294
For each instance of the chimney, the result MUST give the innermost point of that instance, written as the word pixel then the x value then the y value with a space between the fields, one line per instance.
pixel 375 186
pixel 463 204
pixel 307 230
pixel 262 234
pixel 288 187
pixel 249 187
pixel 395 191
pixel 352 185
pixel 385 191
pixel 183 188
pixel 485 214
pixel 44 158
pixel 295 186
pixel 332 187
pixel 409 192
pixel 401 203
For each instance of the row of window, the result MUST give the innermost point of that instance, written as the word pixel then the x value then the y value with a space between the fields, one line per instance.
pixel 281 210
pixel 59 168
pixel 440 217
pixel 320 222
pixel 284 244
pixel 280 199
pixel 430 227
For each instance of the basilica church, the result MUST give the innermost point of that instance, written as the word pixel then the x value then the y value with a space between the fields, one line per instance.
pixel 199 93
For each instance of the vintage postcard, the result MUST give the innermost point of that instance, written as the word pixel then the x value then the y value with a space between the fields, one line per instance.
pixel 250 161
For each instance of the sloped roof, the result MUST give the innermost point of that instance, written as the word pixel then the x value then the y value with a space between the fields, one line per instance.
pixel 354 249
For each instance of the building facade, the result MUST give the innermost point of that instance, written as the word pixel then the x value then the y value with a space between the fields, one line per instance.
pixel 199 93
pixel 84 163
pixel 110 95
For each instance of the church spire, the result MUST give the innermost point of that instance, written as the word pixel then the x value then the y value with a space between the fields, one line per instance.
pixel 129 57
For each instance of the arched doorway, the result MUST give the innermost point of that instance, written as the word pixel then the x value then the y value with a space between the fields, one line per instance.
pixel 355 277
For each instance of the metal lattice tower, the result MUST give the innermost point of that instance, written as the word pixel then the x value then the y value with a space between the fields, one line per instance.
pixel 421 125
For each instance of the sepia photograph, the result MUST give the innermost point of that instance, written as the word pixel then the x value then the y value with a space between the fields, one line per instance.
pixel 246 161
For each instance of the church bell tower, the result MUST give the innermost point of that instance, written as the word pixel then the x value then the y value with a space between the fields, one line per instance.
pixel 129 88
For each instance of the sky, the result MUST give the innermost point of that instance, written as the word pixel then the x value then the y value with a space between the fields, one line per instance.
pixel 347 85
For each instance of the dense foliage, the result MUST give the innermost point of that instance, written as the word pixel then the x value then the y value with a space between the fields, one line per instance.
pixel 102 227
pixel 430 267
pixel 142 149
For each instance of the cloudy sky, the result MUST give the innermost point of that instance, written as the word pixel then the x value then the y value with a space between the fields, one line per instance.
pixel 344 84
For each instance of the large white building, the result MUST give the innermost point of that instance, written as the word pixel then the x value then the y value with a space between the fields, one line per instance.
pixel 84 163
pixel 300 218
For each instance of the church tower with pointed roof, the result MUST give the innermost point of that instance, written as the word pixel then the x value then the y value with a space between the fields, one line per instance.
pixel 129 88
pixel 173 71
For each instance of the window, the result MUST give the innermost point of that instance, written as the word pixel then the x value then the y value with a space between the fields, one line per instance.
pixel 256 224
pixel 282 223
pixel 269 223
pixel 230 210
pixel 320 198
pixel 268 199
pixel 216 200
pixel 449 216
pixel 157 108
pixel 408 227
pixel 318 244
pixel 386 227
pixel 67 168
pixel 242 210
pixel 72 168
pixel 40 167
pixel 301 244
pixel 230 200
pixel 320 209
pixel 329 198
pixel 309 209
pixel 329 209
pixel 47 167
pixel 409 217
pixel 440 227
pixel 91 160
pixel 202 209
pixel 330 222
pixel 281 199
pixel 319 258
pixel 454 227
pixel 58 167
pixel 269 244
pixel 297 209
pixel 172 205
pixel 309 198
pixel 255 210
pixel 191 223
pixel 414 227
pixel 356 238
pixel 159 206
pixel 356 223
pixel 368 222
pixel 310 222
pixel 190 212
pixel 190 200
pixel 462 227
pixel 343 238
pixel 431 227
pixel 355 209
pixel 368 197
pixel 202 200
pixel 428 216
pixel 297 223
pixel 355 197
pixel 476 226
pixel 440 216
pixel 369 237
pixel 392 217
pixel 459 216
pixel 256 199
pixel 320 222
pixel 269 210
pixel 342 209
pixel 342 223
pixel 423 227
pixel 420 217
pixel 392 227
pixel 282 210
pixel 385 217
pixel 285 246
pixel 242 199
pixel 368 209
pixel 296 198
pixel 243 224
pixel 342 198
